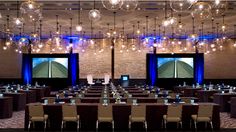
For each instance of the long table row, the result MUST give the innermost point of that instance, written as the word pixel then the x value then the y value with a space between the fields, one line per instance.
pixel 16 101
pixel 154 114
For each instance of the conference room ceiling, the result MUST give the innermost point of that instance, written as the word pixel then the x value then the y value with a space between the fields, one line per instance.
pixel 68 9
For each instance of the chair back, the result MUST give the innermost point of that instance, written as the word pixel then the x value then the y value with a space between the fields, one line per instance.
pixel 51 100
pixel 36 110
pixel 69 110
pixel 205 111
pixel 152 95
pixel 186 100
pixel 90 79
pixel 172 95
pixel 174 111
pixel 61 95
pixel 160 100
pixel 105 111
pixel 138 111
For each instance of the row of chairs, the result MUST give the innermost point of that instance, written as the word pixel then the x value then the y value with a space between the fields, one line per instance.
pixel 138 114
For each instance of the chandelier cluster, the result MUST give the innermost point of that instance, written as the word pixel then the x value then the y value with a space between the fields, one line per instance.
pixel 140 38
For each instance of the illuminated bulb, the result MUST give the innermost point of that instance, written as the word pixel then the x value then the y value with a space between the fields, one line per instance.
pixel 70 45
pixel 40 45
pixel 31 6
pixel 234 45
pixel 172 53
pixel 165 23
pixel 111 47
pixel 53 49
pixel 139 50
pixel 185 49
pixel 192 1
pixel 18 21
pixel 217 2
pixel 95 53
pixel 138 31
pixel 20 51
pixel 127 50
pixel 83 50
pixel 212 45
pixel 179 42
pixel 123 46
pixel 92 42
pixel 79 28
pixel 221 46
pixel 114 2
pixel 8 43
pixel 16 50
pixel 4 47
pixel 155 44
pixel 214 49
pixel 121 51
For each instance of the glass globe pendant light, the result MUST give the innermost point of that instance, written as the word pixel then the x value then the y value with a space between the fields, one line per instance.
pixel 112 4
pixel 57 35
pixel 79 25
pixel 31 10
pixel 129 5
pixel 193 37
pixel 18 20
pixel 219 7
pixel 201 10
pixel 180 5
pixel 179 30
pixel 94 14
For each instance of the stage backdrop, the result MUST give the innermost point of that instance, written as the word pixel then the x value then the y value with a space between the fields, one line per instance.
pixel 70 74
pixel 192 69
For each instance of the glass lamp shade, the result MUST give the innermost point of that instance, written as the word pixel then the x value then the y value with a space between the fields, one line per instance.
pixel 18 22
pixel 79 28
pixel 129 5
pixel 192 1
pixel 193 37
pixel 172 20
pixel 219 7
pixel 201 10
pixel 180 30
pixel 165 23
pixel 94 15
pixel 23 42
pixel 112 4
pixel 31 10
pixel 29 6
pixel 180 5
pixel 34 38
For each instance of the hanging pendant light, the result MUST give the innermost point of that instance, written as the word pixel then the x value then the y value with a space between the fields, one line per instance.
pixel 180 29
pixel 224 26
pixel 94 14
pixel 180 5
pixel 201 10
pixel 219 7
pixel 18 20
pixel 31 10
pixel 79 24
pixel 112 4
pixel 129 5
pixel 193 37
pixel 56 36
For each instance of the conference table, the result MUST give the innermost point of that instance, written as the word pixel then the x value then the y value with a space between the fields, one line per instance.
pixel 30 95
pixel 6 107
pixel 206 95
pixel 113 100
pixel 223 100
pixel 154 113
pixel 40 93
pixel 19 100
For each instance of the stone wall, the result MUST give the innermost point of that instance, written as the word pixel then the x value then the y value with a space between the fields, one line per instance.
pixel 218 65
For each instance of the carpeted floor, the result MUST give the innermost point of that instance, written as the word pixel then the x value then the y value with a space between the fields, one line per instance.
pixel 17 121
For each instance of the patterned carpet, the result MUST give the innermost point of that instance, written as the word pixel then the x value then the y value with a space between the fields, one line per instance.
pixel 17 121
